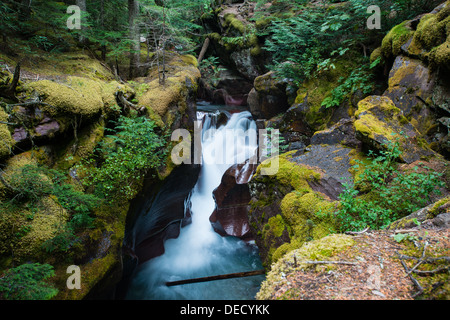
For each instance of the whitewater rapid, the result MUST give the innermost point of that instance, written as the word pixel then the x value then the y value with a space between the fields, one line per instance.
pixel 199 251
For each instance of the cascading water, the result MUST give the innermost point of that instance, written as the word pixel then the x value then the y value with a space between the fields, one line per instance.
pixel 199 251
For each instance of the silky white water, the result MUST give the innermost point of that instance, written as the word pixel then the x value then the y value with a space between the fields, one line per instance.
pixel 199 251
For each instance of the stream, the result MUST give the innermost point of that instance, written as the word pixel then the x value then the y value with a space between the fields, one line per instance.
pixel 199 251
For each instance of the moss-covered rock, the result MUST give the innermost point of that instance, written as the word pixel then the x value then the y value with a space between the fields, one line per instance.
pixel 318 250
pixel 312 93
pixel 6 141
pixel 166 102
pixel 285 210
pixel 395 39
pixel 268 98
pixel 79 96
pixel 379 122
pixel 430 41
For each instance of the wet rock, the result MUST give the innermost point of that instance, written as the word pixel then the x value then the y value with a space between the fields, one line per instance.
pixel 230 217
pixel 231 89
pixel 154 219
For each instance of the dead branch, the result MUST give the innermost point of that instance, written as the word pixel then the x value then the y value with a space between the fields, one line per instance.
pixel 10 91
pixel 421 258
pixel 329 262
pixel 121 98
pixel 438 270
pixel 426 260
pixel 214 278
pixel 416 283
pixel 406 230
pixel 354 233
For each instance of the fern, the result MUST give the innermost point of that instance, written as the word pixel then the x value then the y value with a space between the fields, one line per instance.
pixel 28 282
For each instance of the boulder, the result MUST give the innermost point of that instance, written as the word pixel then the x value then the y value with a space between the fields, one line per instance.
pixel 230 217
pixel 268 98
pixel 343 133
pixel 154 219
pixel 379 123
pixel 418 85
pixel 295 205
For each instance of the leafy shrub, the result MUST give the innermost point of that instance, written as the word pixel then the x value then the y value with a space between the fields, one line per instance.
pixel 309 39
pixel 360 79
pixel 27 282
pixel 390 194
pixel 135 150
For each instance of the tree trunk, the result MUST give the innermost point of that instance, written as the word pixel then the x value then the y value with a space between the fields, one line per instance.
pixel 133 13
pixel 203 51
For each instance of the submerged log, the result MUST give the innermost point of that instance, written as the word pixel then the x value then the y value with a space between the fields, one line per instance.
pixel 218 277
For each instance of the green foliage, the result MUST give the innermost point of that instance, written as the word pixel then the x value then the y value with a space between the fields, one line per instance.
pixel 390 194
pixel 270 143
pixel 28 282
pixel 135 150
pixel 303 43
pixel 61 242
pixel 30 184
pixel 360 79
pixel 399 237
pixel 210 68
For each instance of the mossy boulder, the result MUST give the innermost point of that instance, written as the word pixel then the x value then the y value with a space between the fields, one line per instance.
pixel 313 92
pixel 425 38
pixel 6 141
pixel 318 250
pixel 411 84
pixel 268 98
pixel 395 39
pixel 168 103
pixel 427 214
pixel 379 122
pixel 78 96
pixel 294 205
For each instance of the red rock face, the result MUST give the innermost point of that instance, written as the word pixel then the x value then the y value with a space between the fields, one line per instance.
pixel 230 218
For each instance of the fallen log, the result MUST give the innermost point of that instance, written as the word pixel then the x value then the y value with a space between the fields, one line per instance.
pixel 218 277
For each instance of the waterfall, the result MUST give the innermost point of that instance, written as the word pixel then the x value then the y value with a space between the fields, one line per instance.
pixel 199 251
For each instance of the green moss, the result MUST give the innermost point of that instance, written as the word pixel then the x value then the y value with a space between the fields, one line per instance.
pixel 6 141
pixel 368 122
pixel 80 96
pixel 182 79
pixel 276 225
pixel 305 214
pixel 436 209
pixel 236 24
pixel 440 56
pixel 395 39
pixel 81 148
pixel 377 53
pixel 256 51
pixel 313 92
pixel 190 59
pixel 292 174
pixel 431 39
